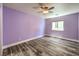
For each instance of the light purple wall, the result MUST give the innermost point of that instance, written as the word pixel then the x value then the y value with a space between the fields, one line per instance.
pixel 19 26
pixel 70 26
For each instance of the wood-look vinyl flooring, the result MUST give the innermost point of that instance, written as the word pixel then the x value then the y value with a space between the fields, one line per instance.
pixel 45 46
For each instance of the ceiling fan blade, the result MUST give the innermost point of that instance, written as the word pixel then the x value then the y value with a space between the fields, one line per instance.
pixel 51 8
pixel 50 11
pixel 39 11
pixel 35 7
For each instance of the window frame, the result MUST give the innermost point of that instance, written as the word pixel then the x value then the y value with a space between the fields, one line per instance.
pixel 56 23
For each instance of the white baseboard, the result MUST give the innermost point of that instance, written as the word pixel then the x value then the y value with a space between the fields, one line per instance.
pixel 6 46
pixel 63 38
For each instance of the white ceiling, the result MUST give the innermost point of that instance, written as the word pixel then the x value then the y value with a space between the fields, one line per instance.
pixel 59 10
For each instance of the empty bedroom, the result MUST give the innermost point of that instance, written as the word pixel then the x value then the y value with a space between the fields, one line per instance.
pixel 40 29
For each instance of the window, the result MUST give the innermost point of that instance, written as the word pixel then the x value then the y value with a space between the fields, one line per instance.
pixel 58 25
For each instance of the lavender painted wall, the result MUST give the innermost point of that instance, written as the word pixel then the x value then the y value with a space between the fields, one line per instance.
pixel 70 26
pixel 19 26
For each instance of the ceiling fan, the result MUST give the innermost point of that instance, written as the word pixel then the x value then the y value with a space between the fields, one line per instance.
pixel 44 8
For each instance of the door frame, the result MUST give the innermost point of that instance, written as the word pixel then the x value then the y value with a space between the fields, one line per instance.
pixel 1 30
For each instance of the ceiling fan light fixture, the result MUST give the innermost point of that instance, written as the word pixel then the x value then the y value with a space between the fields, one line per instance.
pixel 44 8
pixel 46 11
